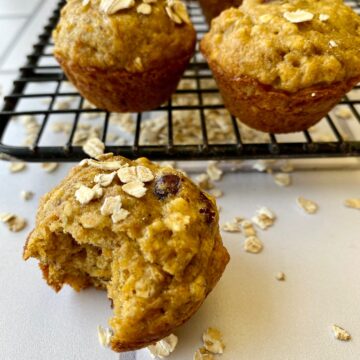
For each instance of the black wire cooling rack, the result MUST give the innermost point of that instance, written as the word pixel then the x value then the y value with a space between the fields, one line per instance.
pixel 41 87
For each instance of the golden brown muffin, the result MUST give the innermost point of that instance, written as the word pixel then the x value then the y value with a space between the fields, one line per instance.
pixel 145 233
pixel 282 65
pixel 124 55
pixel 212 8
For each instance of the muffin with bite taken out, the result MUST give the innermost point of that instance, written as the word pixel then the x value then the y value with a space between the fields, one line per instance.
pixel 146 234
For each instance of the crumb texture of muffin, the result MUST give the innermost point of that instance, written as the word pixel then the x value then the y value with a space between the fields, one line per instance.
pixel 105 53
pixel 212 8
pixel 282 65
pixel 145 233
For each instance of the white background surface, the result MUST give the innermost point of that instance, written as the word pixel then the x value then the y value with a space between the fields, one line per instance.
pixel 260 317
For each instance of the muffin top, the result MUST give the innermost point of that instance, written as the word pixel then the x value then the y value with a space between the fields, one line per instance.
pixel 289 45
pixel 124 34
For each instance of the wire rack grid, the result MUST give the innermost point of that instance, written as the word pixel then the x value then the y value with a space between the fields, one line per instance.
pixel 192 125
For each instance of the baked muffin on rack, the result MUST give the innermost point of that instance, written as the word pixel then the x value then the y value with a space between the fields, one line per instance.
pixel 212 8
pixel 282 65
pixel 145 233
pixel 124 55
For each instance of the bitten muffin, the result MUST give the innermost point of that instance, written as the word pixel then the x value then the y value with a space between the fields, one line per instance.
pixel 145 233
pixel 212 8
pixel 282 65
pixel 124 55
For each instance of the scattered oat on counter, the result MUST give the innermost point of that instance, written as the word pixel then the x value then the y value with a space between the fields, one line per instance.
pixel 50 167
pixel 26 195
pixel 203 180
pixel 287 167
pixel 104 336
pixel 280 276
pixel 352 203
pixel 202 354
pixel 213 341
pixel 164 347
pixel 214 172
pixel 282 179
pixel 14 223
pixel 263 165
pixel 307 205
pixel 236 165
pixel 340 333
pixel 248 228
pixel 17 166
pixel 260 166
pixel 264 218
pixel 231 227
pixel 253 245
pixel 94 147
pixel 217 193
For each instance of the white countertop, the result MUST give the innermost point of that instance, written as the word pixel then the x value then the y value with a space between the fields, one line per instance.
pixel 260 317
